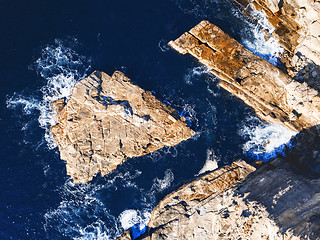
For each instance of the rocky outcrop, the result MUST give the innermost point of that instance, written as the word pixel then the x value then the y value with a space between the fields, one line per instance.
pixel 296 26
pixel 274 95
pixel 187 199
pixel 274 202
pixel 109 119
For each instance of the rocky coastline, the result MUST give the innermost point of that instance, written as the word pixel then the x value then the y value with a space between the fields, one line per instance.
pixel 280 200
pixel 108 119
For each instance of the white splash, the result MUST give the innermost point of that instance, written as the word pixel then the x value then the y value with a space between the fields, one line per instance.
pixel 131 217
pixel 61 67
pixel 263 137
pixel 262 43
pixel 211 162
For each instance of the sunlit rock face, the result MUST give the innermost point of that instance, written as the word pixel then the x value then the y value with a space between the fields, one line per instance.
pixel 108 119
pixel 274 202
pixel 274 95
pixel 297 28
pixel 233 202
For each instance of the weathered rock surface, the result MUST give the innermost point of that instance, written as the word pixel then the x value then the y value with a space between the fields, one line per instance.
pixel 187 199
pixel 274 95
pixel 109 119
pixel 297 28
pixel 274 202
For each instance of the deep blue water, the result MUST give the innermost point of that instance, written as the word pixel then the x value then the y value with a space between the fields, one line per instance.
pixel 46 46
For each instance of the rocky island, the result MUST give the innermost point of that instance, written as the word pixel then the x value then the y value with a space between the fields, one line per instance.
pixel 108 119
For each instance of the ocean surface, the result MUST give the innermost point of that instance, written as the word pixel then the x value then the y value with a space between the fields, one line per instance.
pixel 47 46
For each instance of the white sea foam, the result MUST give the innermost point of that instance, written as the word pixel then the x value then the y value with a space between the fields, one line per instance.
pixel 96 230
pixel 264 138
pixel 28 104
pixel 131 217
pixel 261 41
pixel 211 162
pixel 61 67
pixel 161 184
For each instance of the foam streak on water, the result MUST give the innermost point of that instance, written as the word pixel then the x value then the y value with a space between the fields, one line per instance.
pixel 265 140
pixel 194 73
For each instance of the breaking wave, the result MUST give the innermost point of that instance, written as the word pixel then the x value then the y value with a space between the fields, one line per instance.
pixel 265 140
pixel 261 42
pixel 255 30
pixel 61 67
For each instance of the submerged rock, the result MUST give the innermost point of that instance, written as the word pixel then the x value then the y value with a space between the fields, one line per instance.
pixel 109 119
pixel 274 95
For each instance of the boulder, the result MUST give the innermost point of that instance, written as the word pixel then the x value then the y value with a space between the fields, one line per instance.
pixel 109 119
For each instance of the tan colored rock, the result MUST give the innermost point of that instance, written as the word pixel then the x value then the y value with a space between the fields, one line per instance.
pixel 274 95
pixel 109 119
pixel 187 199
pixel 274 202
pixel 179 207
pixel 296 26
pixel 125 236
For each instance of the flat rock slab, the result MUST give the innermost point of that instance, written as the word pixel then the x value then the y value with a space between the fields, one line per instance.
pixel 273 94
pixel 109 119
